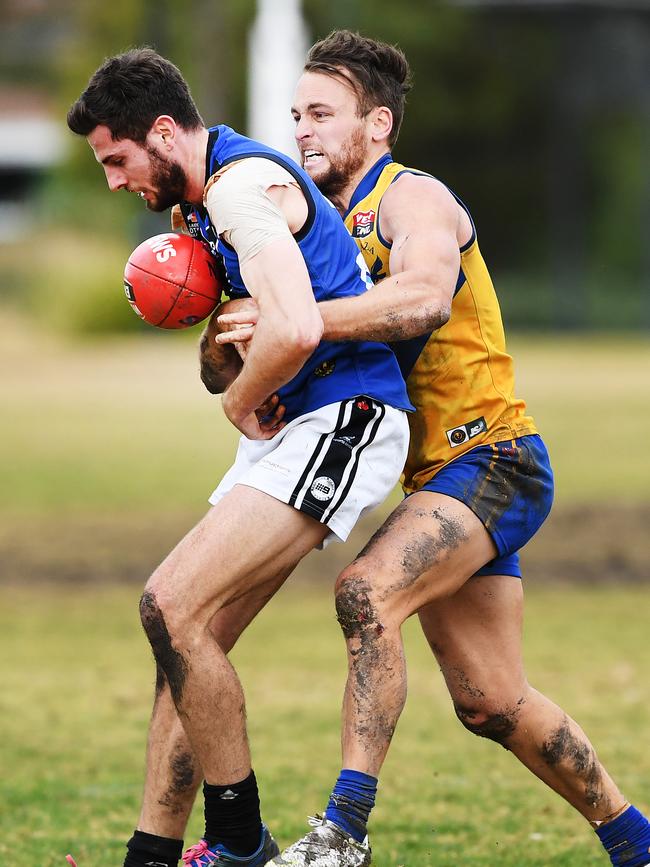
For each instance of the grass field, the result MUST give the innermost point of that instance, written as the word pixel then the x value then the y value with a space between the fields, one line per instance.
pixel 77 686
pixel 109 453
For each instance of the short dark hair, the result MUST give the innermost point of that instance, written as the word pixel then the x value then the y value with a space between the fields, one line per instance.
pixel 378 72
pixel 129 91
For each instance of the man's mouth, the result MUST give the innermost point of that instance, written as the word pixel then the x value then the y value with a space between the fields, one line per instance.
pixel 311 158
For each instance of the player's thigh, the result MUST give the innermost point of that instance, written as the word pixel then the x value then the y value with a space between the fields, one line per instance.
pixel 231 620
pixel 476 638
pixel 426 549
pixel 242 543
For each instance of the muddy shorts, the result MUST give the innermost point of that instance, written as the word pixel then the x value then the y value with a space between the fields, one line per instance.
pixel 509 487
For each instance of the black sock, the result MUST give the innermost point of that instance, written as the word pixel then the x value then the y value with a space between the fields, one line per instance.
pixel 232 816
pixel 145 849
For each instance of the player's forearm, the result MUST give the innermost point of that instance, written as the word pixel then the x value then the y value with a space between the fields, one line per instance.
pixel 400 307
pixel 274 358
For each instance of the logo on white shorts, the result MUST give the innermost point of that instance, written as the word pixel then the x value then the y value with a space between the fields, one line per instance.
pixel 345 440
pixel 323 488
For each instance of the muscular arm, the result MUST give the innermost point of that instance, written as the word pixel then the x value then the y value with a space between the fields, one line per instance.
pixel 289 325
pixel 288 329
pixel 423 221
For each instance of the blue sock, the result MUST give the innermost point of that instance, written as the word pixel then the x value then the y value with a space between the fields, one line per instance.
pixel 627 839
pixel 351 801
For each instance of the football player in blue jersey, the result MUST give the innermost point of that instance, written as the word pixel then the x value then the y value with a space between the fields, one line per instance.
pixel 297 482
pixel 477 475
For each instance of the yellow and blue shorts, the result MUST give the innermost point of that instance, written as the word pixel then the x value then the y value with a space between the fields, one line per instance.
pixel 509 487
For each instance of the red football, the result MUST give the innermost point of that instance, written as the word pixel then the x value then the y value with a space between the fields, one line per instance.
pixel 172 281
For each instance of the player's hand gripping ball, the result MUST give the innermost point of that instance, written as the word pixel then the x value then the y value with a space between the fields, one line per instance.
pixel 172 281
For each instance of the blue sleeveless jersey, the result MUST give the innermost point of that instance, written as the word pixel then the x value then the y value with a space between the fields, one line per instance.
pixel 335 371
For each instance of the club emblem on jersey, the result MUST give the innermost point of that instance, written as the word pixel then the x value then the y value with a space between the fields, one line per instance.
pixel 325 368
pixel 323 488
pixel 192 222
pixel 464 432
pixel 363 223
pixel 363 405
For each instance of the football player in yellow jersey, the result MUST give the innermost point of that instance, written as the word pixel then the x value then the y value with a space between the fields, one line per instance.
pixel 477 475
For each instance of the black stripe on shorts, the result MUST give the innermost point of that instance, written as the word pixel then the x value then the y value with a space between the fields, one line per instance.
pixel 331 470
pixel 316 454
pixel 372 433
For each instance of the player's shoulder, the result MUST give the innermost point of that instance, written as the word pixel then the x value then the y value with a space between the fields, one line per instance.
pixel 416 197
pixel 411 184
pixel 235 176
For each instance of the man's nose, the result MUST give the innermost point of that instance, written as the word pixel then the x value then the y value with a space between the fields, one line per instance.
pixel 303 129
pixel 115 178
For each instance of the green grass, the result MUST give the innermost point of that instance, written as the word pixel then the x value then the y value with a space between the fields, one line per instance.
pixel 590 398
pixel 78 680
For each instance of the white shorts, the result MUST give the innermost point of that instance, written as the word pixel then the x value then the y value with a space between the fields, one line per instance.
pixel 335 463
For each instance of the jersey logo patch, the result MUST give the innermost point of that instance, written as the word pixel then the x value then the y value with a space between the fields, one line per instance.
pixel 363 223
pixel 325 368
pixel 464 432
pixel 323 488
pixel 192 222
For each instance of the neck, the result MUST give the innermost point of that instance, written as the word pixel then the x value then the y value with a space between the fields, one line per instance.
pixel 197 143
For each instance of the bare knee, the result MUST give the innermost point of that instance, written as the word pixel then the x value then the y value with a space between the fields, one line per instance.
pixel 169 660
pixel 359 609
pixel 370 598
pixel 492 720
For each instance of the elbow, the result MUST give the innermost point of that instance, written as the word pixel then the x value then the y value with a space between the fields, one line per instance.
pixel 435 305
pixel 440 315
pixel 308 339
pixel 424 305
pixel 430 315
pixel 302 338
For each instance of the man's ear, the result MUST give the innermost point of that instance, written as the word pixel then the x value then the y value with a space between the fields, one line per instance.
pixel 163 130
pixel 382 123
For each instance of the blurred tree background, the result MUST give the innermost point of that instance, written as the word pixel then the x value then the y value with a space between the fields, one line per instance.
pixel 536 113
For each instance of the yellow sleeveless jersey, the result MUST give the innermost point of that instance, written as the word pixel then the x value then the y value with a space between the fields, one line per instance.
pixel 460 378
